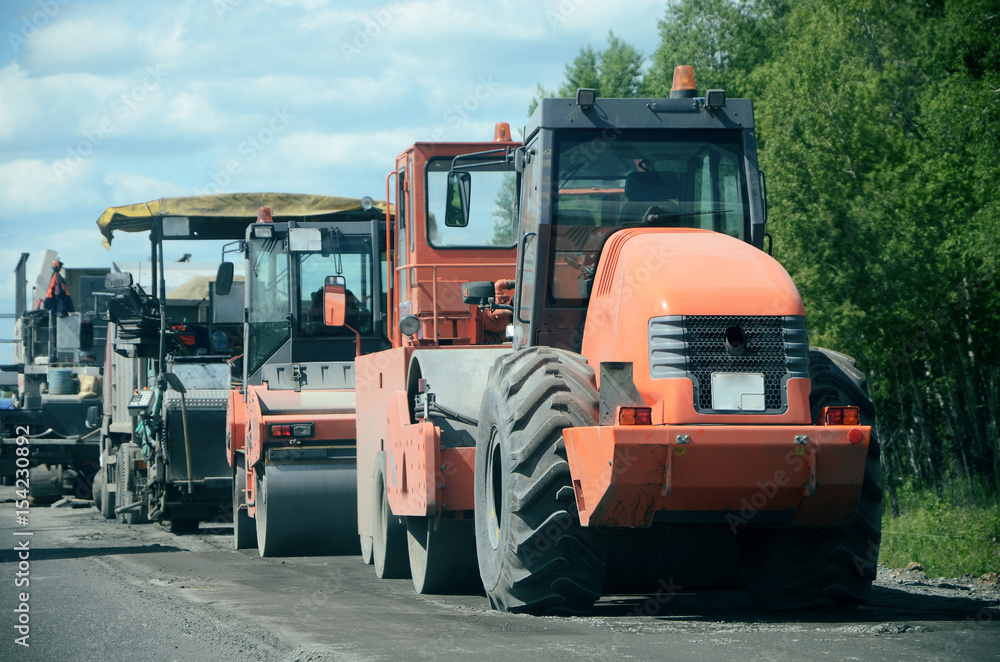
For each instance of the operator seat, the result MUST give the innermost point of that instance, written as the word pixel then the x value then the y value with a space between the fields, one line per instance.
pixel 648 192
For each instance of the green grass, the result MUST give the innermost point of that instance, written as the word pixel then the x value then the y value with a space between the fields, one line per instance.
pixel 947 538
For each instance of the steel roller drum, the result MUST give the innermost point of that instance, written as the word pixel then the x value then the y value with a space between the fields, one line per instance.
pixel 306 509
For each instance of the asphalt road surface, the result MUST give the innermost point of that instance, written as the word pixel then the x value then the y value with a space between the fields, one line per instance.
pixel 99 590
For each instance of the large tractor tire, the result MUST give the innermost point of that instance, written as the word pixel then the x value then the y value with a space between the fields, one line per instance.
pixel 534 556
pixel 244 528
pixel 128 490
pixel 388 532
pixel 442 556
pixel 822 567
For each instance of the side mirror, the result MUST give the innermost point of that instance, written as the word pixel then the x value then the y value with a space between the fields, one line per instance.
pixel 117 280
pixel 478 293
pixel 93 417
pixel 224 279
pixel 334 301
pixel 456 212
pixel 520 159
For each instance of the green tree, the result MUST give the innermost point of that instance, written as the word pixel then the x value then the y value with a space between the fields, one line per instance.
pixel 879 124
pixel 504 210
pixel 724 40
pixel 619 70
pixel 615 71
pixel 582 72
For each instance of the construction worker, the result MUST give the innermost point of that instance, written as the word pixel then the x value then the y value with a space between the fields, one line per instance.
pixel 57 297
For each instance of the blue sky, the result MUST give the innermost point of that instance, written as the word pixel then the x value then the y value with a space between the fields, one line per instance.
pixel 111 102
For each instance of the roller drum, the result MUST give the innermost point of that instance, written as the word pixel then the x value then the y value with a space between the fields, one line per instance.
pixel 307 508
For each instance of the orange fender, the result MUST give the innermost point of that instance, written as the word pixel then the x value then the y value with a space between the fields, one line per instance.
pixel 236 415
pixel 421 477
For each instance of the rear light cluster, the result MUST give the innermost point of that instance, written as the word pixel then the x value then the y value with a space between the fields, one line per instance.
pixel 635 416
pixel 842 416
pixel 292 430
pixel 845 416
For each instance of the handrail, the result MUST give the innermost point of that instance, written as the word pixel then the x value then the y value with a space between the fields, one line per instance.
pixel 434 281
pixel 390 273
pixel 463 265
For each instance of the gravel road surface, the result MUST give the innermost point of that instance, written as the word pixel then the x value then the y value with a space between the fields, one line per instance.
pixel 105 591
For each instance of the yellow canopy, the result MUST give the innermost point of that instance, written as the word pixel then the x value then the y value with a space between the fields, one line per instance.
pixel 196 289
pixel 225 215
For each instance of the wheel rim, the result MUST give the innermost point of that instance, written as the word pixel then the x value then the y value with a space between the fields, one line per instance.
pixel 494 490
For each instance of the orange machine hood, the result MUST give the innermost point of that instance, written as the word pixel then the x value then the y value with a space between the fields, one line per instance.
pixel 654 272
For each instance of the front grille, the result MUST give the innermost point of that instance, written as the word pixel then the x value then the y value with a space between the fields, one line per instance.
pixel 694 346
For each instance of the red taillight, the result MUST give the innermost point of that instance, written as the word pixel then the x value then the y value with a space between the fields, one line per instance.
pixel 635 416
pixel 842 416
pixel 291 429
pixel 855 436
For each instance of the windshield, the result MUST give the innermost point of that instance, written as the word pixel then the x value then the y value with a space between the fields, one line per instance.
pixel 607 180
pixel 352 259
pixel 491 210
pixel 269 301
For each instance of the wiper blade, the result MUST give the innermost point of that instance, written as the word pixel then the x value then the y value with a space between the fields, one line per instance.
pixel 653 218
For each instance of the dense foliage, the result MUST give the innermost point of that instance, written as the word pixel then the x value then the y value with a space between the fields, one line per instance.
pixel 879 131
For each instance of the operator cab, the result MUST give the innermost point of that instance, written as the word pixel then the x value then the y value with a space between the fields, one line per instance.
pixel 591 167
pixel 289 264
pixel 435 252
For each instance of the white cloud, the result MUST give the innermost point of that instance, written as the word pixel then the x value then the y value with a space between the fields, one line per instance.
pixel 33 186
pixel 129 188
pixel 104 38
pixel 312 150
pixel 193 112
pixel 78 93
pixel 592 19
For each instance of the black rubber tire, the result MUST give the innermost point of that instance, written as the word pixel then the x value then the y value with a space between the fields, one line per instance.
pixel 822 567
pixel 83 482
pixel 534 556
pixel 127 487
pixel 367 556
pixel 244 528
pixel 443 556
pixel 388 532
pixel 183 526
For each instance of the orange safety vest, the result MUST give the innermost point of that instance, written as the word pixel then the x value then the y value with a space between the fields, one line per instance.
pixel 57 286
pixel 57 298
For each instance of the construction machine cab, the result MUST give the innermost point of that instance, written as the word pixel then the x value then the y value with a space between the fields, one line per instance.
pixel 591 167
pixel 302 272
pixel 439 241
